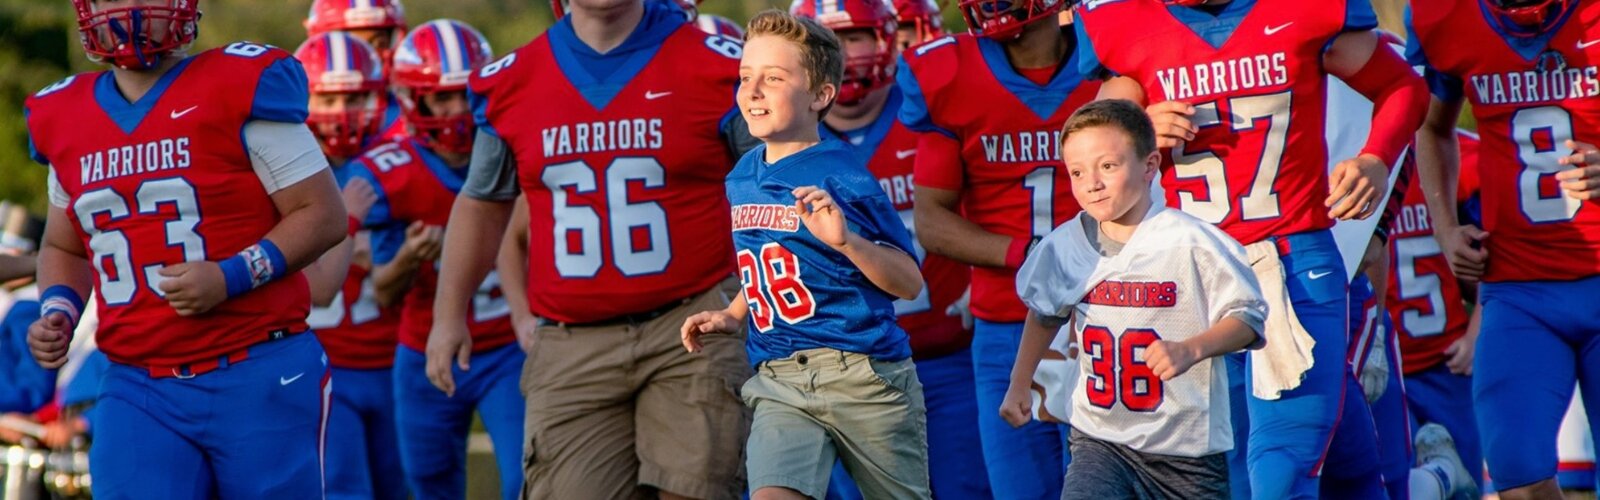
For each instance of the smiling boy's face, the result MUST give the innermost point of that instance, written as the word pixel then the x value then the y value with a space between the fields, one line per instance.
pixel 774 89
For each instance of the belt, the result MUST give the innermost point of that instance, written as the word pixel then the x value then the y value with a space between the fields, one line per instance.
pixel 637 318
pixel 192 370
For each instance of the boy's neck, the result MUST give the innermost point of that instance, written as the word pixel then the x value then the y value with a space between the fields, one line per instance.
pixel 134 84
pixel 606 29
pixel 1121 229
pixel 1041 45
pixel 780 148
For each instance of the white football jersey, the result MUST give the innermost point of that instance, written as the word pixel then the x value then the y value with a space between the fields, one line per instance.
pixel 1175 278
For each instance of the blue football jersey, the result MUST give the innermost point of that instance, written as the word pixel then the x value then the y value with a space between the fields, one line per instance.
pixel 802 293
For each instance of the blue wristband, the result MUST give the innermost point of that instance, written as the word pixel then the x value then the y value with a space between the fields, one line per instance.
pixel 61 299
pixel 253 267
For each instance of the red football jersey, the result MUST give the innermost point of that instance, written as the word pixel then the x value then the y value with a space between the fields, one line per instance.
pixel 356 333
pixel 168 180
pixel 627 205
pixel 1258 165
pixel 1467 178
pixel 1009 128
pixel 1424 298
pixel 891 149
pixel 416 186
pixel 1527 105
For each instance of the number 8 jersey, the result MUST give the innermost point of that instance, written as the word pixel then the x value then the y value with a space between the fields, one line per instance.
pixel 1529 97
pixel 169 179
pixel 802 293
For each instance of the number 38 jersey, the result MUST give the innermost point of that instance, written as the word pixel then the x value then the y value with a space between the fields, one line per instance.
pixel 624 182
pixel 1173 280
pixel 802 293
pixel 168 179
pixel 1529 98
pixel 1258 165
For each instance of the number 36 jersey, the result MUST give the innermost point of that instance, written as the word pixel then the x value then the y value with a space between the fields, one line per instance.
pixel 1529 98
pixel 624 182
pixel 169 179
pixel 1173 280
pixel 1258 165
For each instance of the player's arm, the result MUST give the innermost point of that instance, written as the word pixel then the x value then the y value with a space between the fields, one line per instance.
pixel 889 268
pixel 477 223
pixel 65 277
pixel 16 266
pixel 940 226
pixel 1234 304
pixel 1171 359
pixel 1399 100
pixel 1439 170
pixel 391 278
pixel 512 263
pixel 727 320
pixel 326 276
pixel 1037 334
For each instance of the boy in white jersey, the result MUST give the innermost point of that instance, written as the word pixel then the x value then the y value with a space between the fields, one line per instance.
pixel 1154 296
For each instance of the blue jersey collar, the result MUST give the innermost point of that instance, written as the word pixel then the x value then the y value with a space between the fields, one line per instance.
pixel 1042 100
pixel 599 77
pixel 1528 47
pixel 128 115
pixel 1215 29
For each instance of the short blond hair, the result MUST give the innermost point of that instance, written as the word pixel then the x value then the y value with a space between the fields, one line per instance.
pixel 821 53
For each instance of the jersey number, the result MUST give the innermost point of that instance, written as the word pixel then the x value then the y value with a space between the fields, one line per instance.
pixel 1117 368
pixel 585 223
pixel 111 252
pixel 1412 285
pixel 364 310
pixel 1540 160
pixel 784 293
pixel 1261 202
pixel 1041 186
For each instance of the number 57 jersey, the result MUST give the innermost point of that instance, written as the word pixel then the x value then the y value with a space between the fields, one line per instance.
pixel 624 181
pixel 1529 98
pixel 169 179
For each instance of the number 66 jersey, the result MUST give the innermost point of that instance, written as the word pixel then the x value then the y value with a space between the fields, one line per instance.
pixel 169 179
pixel 1529 95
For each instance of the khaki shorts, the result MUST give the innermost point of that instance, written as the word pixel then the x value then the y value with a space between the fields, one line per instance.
pixel 618 411
pixel 823 403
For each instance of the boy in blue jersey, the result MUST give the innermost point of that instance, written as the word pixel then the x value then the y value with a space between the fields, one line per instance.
pixel 821 255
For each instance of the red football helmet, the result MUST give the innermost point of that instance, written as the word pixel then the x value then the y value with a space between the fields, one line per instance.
pixel 862 74
pixel 922 15
pixel 718 25
pixel 691 8
pixel 1186 3
pixel 439 56
pixel 136 37
pixel 344 15
pixel 339 63
pixel 1526 18
pixel 1004 19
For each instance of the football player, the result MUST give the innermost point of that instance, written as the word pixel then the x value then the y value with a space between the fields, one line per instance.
pixel 616 125
pixel 417 180
pixel 989 184
pixel 380 23
pixel 1537 104
pixel 187 192
pixel 916 21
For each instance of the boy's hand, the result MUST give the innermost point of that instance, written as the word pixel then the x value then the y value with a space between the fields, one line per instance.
pixel 820 215
pixel 1017 407
pixel 705 322
pixel 1172 122
pixel 1170 359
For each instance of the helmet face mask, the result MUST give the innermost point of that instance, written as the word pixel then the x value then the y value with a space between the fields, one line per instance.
pixel 347 84
pixel 136 37
pixel 1004 19
pixel 433 62
pixel 1526 18
pixel 344 130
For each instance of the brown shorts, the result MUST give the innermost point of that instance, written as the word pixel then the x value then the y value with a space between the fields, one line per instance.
pixel 621 410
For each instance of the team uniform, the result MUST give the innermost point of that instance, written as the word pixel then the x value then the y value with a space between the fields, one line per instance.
pixel 28 385
pixel 1261 177
pixel 234 401
pixel 1133 434
pixel 1529 92
pixel 415 185
pixel 822 335
pixel 1006 163
pixel 940 344
pixel 622 163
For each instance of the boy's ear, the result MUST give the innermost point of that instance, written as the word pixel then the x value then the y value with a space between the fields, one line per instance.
pixel 825 97
pixel 1152 165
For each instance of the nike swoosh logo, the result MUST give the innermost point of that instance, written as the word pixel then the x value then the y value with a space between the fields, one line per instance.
pixel 651 96
pixel 1271 30
pixel 179 114
pixel 1314 275
pixel 904 153
pixel 1584 45
pixel 290 380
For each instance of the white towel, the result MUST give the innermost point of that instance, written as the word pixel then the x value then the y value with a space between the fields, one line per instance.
pixel 1282 363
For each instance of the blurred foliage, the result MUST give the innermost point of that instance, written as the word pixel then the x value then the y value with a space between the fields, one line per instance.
pixel 39 45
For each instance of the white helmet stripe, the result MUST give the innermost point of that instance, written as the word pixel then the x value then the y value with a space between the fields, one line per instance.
pixel 339 52
pixel 450 41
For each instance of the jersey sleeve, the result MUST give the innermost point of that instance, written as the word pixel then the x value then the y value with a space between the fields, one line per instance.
pixel 492 172
pixel 1229 286
pixel 58 196
pixel 388 233
pixel 1444 86
pixel 1043 281
pixel 282 93
pixel 33 151
pixel 283 153
pixel 1089 64
pixel 938 163
pixel 1359 16
pixel 914 106
pixel 480 112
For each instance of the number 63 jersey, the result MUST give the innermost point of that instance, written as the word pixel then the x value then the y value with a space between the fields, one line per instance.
pixel 169 179
pixel 1529 97
pixel 623 181
pixel 1173 280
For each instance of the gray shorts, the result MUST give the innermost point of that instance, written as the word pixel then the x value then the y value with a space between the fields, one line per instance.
pixel 1102 470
